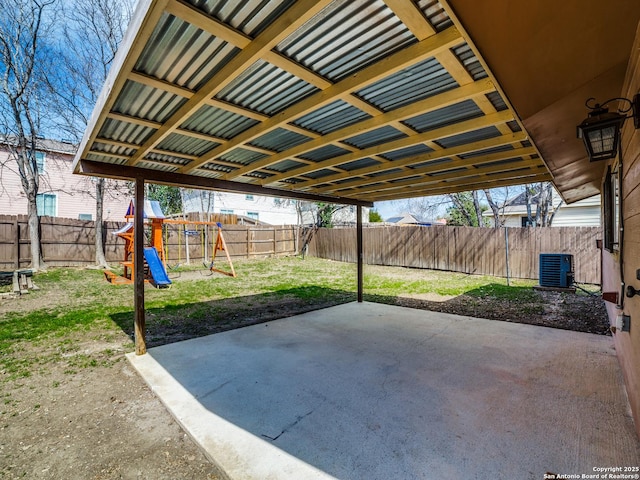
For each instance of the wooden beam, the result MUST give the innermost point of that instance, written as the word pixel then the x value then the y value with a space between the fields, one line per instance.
pixel 428 104
pixel 443 132
pixel 201 20
pixel 459 150
pixel 124 172
pixel 147 15
pixel 428 169
pixel 412 17
pixel 135 120
pixel 295 16
pixel 360 252
pixel 154 82
pixel 300 71
pixel 454 176
pixel 467 186
pixel 385 67
pixel 138 268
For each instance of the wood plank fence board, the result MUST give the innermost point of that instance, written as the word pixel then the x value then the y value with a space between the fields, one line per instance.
pixel 470 250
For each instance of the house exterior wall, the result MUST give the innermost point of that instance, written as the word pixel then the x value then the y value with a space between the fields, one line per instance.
pixel 585 213
pixel 628 260
pixel 74 194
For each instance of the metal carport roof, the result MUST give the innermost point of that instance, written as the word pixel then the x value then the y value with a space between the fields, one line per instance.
pixel 349 101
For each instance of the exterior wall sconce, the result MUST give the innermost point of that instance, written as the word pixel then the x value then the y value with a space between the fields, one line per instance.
pixel 600 131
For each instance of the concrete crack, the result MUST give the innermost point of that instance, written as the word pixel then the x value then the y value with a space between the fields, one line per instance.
pixel 291 425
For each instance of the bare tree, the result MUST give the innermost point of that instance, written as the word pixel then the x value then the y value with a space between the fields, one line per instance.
pixel 23 62
pixel 92 33
pixel 541 196
pixel 465 210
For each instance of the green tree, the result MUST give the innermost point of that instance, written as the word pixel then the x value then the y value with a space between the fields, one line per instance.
pixel 169 197
pixel 374 216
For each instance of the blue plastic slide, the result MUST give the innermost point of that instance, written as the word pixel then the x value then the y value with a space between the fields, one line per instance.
pixel 156 268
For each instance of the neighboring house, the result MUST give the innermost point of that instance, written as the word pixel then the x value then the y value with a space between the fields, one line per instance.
pixel 267 210
pixel 61 193
pixel 411 219
pixel 584 213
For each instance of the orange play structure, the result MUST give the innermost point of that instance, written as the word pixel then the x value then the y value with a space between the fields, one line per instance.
pixel 155 260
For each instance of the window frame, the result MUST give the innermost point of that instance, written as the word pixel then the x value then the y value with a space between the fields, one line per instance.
pixel 40 165
pixel 42 206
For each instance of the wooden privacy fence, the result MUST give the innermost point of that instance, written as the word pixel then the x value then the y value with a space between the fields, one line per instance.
pixel 68 242
pixel 465 249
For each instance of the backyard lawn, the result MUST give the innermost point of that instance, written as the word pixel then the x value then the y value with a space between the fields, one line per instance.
pixel 73 408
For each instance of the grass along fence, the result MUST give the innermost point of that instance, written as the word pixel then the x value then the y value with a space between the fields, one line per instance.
pixel 465 249
pixel 68 242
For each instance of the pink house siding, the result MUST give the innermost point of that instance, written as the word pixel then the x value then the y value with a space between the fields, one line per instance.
pixel 74 194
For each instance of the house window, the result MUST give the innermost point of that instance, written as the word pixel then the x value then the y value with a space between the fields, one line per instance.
pixel 611 209
pixel 46 204
pixel 225 211
pixel 524 222
pixel 249 197
pixel 85 216
pixel 253 215
pixel 40 157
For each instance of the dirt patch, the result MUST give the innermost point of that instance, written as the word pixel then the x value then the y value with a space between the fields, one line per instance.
pixel 88 415
pixel 567 311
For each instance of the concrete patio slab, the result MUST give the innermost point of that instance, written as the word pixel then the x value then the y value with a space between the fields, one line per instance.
pixel 371 391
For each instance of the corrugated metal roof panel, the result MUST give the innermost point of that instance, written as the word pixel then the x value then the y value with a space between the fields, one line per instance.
pixel 436 15
pixel 469 137
pixel 218 122
pixel 345 37
pixel 430 163
pixel 117 150
pixel 187 145
pixel 375 137
pixel 182 54
pixel 248 16
pixel 125 132
pixel 145 102
pixel 442 117
pixel 216 167
pixel 105 159
pixel 415 83
pixel 329 118
pixel 380 173
pixel 157 166
pixel 285 165
pixel 266 88
pixel 319 173
pixel 496 100
pixel 279 140
pixel 324 153
pixel 361 163
pixel 449 172
pixel 170 159
pixel 487 151
pixel 243 156
pixel 470 61
pixel 406 152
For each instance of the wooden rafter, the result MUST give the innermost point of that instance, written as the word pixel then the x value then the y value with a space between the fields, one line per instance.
pixel 389 65
pixel 429 104
pixel 427 169
pixel 299 13
pixel 514 138
pixel 447 131
pixel 508 178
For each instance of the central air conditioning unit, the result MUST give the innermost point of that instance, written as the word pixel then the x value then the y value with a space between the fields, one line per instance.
pixel 556 270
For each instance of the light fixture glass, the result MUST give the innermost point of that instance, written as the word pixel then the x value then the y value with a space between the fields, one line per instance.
pixel 600 131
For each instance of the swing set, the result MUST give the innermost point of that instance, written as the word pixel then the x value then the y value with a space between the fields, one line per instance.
pixel 218 246
pixel 155 219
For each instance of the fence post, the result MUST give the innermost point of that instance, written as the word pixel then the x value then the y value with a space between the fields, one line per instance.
pixel 506 248
pixel 16 246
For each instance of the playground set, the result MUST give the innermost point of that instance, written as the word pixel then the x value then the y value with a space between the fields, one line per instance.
pixel 155 255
